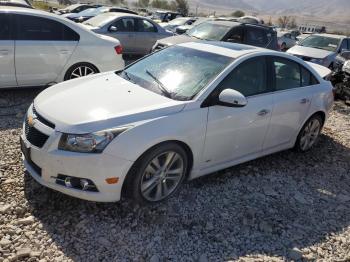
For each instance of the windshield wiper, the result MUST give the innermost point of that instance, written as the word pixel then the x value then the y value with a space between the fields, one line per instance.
pixel 160 84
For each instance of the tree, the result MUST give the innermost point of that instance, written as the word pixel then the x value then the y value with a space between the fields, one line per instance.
pixel 292 23
pixel 238 13
pixel 283 21
pixel 117 2
pixel 163 4
pixel 143 3
pixel 181 6
pixel 269 23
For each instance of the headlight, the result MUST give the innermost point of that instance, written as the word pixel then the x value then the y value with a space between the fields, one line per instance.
pixel 89 143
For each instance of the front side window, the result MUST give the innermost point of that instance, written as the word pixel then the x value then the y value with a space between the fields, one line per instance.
pixel 344 45
pixel 236 35
pixel 256 37
pixel 42 29
pixel 209 31
pixel 183 72
pixel 249 78
pixel 5 27
pixel 287 74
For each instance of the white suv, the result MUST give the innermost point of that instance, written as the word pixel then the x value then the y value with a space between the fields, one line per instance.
pixel 39 49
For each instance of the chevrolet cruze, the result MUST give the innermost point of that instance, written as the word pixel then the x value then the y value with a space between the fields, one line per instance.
pixel 179 113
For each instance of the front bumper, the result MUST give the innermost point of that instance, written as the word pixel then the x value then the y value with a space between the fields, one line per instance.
pixel 46 163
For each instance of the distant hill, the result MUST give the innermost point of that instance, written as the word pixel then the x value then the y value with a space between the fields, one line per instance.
pixel 315 8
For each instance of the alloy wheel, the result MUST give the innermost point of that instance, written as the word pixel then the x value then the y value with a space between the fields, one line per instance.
pixel 162 175
pixel 310 134
pixel 81 71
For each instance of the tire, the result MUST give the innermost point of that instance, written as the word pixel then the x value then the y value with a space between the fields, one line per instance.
pixel 80 70
pixel 148 184
pixel 309 134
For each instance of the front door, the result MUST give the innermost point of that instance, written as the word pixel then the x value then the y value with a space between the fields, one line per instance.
pixel 145 36
pixel 7 52
pixel 235 133
pixel 43 47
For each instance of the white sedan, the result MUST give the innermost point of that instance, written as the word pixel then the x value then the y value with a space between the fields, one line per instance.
pixel 180 113
pixel 39 49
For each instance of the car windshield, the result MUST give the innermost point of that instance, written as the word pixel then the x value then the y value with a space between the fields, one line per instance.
pixel 100 20
pixel 177 72
pixel 209 31
pixel 321 42
pixel 178 21
pixel 93 11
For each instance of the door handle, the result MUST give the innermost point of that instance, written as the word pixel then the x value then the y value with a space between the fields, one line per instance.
pixel 304 101
pixel 263 112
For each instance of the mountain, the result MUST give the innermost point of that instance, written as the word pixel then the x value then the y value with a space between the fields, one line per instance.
pixel 316 8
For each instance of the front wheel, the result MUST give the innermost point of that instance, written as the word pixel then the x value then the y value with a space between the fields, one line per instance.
pixel 157 174
pixel 309 134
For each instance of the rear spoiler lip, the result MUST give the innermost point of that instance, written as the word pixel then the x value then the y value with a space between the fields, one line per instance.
pixel 322 71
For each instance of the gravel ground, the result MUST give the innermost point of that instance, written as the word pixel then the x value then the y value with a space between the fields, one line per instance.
pixel 287 206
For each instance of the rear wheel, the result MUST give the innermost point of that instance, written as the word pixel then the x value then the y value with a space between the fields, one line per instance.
pixel 80 70
pixel 157 174
pixel 309 134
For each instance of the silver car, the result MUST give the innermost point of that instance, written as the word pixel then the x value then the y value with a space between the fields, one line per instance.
pixel 137 34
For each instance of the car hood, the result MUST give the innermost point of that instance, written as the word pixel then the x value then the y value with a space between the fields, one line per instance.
pixel 106 100
pixel 178 39
pixel 309 52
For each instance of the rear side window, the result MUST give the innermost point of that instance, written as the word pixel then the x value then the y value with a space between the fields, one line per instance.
pixel 145 26
pixel 287 74
pixel 235 35
pixel 5 27
pixel 249 78
pixel 256 36
pixel 42 29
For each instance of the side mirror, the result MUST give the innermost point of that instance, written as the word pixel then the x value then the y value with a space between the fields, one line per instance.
pixel 113 29
pixel 232 98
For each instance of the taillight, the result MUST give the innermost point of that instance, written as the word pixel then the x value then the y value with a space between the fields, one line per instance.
pixel 118 49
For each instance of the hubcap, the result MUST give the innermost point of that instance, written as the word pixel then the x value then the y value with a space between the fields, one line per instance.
pixel 310 134
pixel 82 71
pixel 162 175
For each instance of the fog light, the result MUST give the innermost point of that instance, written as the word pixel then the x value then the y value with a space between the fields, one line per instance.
pixel 83 184
pixel 67 182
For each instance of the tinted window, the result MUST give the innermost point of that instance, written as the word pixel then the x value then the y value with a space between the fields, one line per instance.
pixel 236 35
pixel 5 27
pixel 249 78
pixel 344 45
pixel 256 37
pixel 125 25
pixel 43 29
pixel 145 26
pixel 287 74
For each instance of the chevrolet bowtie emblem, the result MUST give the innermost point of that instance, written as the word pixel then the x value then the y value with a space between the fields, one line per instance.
pixel 31 120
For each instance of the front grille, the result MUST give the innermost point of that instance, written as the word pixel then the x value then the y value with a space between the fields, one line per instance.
pixel 34 136
pixel 42 119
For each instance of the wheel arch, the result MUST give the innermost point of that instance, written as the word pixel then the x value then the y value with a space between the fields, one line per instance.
pixel 184 145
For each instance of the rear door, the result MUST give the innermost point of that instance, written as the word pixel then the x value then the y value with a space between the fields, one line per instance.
pixel 294 89
pixel 145 36
pixel 255 36
pixel 43 47
pixel 7 52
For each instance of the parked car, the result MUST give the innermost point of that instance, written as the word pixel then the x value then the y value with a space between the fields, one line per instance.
pixel 321 48
pixel 184 28
pixel 256 35
pixel 137 34
pixel 164 16
pixel 285 40
pixel 18 3
pixel 39 48
pixel 76 8
pixel 250 20
pixel 341 59
pixel 180 113
pixel 92 12
pixel 181 21
pixel 302 36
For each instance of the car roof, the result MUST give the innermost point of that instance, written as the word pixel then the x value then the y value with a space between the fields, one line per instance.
pixel 120 14
pixel 224 48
